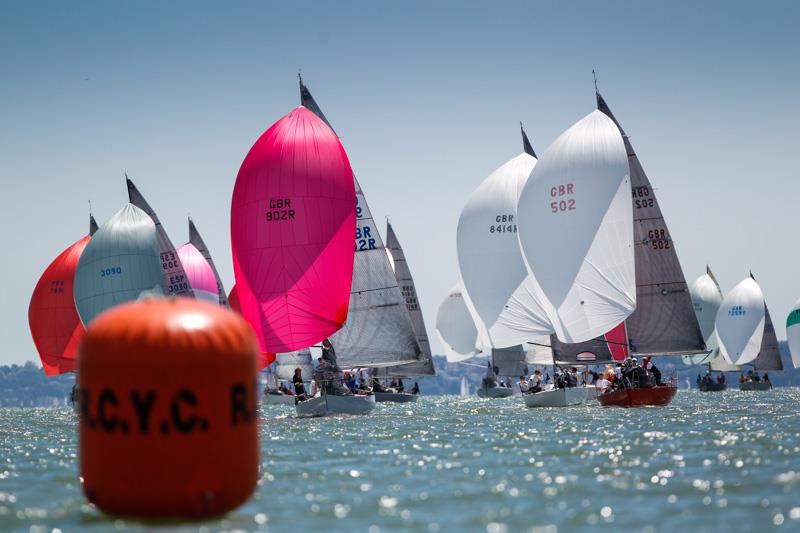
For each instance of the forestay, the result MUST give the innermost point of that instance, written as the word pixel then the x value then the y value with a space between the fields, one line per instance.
pixel 793 333
pixel 575 230
pixel 292 224
pixel 664 322
pixel 740 323
pixel 119 264
pixel 286 363
pixel 378 331
pixel 455 326
pixel 489 258
pixel 200 274
pixel 197 242
pixel 176 282
pixel 405 281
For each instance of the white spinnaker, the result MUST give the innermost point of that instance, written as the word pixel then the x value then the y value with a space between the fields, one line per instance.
pixel 120 264
pixel 489 258
pixel 455 327
pixel 793 333
pixel 576 229
pixel 706 299
pixel 740 323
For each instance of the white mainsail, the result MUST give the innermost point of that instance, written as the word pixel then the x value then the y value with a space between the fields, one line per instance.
pixel 575 230
pixel 740 323
pixel 120 264
pixel 455 327
pixel 793 333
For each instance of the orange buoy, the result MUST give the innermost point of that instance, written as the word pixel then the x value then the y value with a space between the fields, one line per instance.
pixel 168 422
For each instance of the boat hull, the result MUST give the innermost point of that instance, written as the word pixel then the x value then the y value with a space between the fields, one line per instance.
pixel 713 387
pixel 661 395
pixel 755 385
pixel 495 392
pixel 278 399
pixel 397 397
pixel 331 404
pixel 556 397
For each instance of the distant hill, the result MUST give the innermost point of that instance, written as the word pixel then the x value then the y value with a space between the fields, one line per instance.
pixel 27 386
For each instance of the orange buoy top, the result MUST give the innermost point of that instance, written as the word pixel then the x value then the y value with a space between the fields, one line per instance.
pixel 168 409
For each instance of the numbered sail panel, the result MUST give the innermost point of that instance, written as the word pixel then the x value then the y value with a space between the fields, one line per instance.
pixel 176 282
pixel 793 333
pixel 455 326
pixel 119 264
pixel 489 258
pixel 405 281
pixel 287 363
pixel 584 260
pixel 740 323
pixel 197 241
pixel 769 356
pixel 201 275
pixel 292 227
pixel 53 319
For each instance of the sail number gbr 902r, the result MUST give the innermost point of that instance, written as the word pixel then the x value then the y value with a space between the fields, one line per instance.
pixel 562 199
pixel 280 209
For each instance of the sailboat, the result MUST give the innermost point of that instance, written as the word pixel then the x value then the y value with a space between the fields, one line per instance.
pixel 455 327
pixel 285 365
pixel 793 333
pixel 706 299
pixel 199 273
pixel 197 241
pixel 176 282
pixel 378 332
pixel 293 217
pixel 491 265
pixel 405 281
pixel 463 389
pixel 53 318
pixel 746 334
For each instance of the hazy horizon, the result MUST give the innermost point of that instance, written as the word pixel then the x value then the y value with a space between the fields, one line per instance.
pixel 427 100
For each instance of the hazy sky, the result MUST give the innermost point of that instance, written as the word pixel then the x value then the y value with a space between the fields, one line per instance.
pixel 426 96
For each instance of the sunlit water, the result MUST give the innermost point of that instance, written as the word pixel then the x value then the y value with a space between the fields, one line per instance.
pixel 709 461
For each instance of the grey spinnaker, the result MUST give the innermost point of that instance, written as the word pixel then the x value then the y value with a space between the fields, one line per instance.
pixel 378 330
pixel 664 321
pixel 402 273
pixel 120 264
pixel 197 241
pixel 509 362
pixel 769 358
pixel 176 282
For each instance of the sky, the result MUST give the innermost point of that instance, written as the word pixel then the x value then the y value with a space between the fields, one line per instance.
pixel 427 98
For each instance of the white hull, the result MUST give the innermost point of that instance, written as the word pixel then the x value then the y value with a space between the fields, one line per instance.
pixel 557 397
pixel 592 393
pixel 332 404
pixel 278 399
pixel 495 392
pixel 397 397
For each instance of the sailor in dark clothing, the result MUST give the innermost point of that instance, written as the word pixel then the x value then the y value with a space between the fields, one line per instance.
pixel 656 374
pixel 415 388
pixel 299 386
pixel 400 386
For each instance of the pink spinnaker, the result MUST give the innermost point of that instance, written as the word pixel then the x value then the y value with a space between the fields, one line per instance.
pixel 201 275
pixel 265 358
pixel 292 224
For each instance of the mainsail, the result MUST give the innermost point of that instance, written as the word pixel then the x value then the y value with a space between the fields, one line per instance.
pixel 119 264
pixel 664 321
pixel 53 319
pixel 176 282
pixel 769 357
pixel 455 326
pixel 405 281
pixel 286 363
pixel 740 322
pixel 575 230
pixel 378 331
pixel 292 223
pixel 197 241
pixel 509 362
pixel 199 272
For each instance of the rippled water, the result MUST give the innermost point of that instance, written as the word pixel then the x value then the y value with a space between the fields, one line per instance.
pixel 710 460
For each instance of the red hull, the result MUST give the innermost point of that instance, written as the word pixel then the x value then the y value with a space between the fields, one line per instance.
pixel 638 397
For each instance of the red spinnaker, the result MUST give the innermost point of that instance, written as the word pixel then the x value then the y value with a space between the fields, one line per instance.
pixel 617 340
pixel 55 326
pixel 293 217
pixel 265 359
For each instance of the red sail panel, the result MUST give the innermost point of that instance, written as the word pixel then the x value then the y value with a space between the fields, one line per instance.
pixel 617 340
pixel 293 217
pixel 55 326
pixel 265 358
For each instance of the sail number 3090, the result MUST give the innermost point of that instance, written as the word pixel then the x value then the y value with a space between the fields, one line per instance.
pixel 562 198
